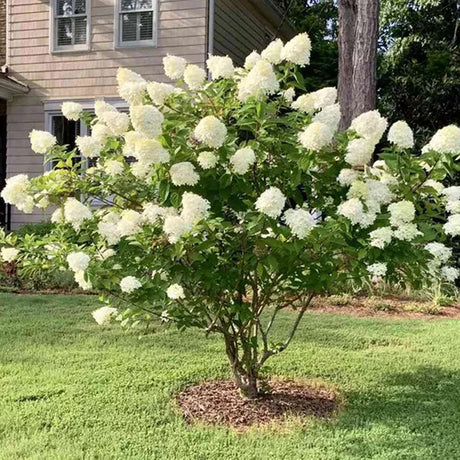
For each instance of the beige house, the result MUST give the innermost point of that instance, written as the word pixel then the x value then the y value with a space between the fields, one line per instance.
pixel 58 50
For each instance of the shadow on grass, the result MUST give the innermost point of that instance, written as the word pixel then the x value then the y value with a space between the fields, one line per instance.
pixel 421 407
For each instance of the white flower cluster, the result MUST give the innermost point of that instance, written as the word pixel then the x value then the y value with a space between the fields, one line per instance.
pixel 211 132
pixel 146 151
pixel 117 122
pixel 271 202
pixel 297 50
pixel 174 66
pixel 242 160
pixel 402 214
pixel 159 92
pixel 76 213
pixel 146 119
pixel 401 135
pixel 359 151
pixel 445 140
pixel 131 86
pixel 71 110
pixel 9 254
pixel 370 125
pixel 220 67
pixel 316 136
pixel 316 100
pixel 452 195
pixel 441 253
pixel 78 261
pixel 260 81
pixel 129 284
pixel 330 116
pixel 89 146
pixel 41 141
pixel 450 274
pixel 380 237
pixel 176 227
pixel 300 221
pixel 378 270
pixel 251 60
pixel 347 176
pixel 103 315
pixel 353 209
pixel 194 76
pixel 184 174
pixel 194 207
pixel 452 226
pixel 272 53
pixel 175 292
pixel 16 192
pixel 207 160
pixel 114 167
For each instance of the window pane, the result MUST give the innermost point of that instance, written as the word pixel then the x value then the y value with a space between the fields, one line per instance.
pixel 65 130
pixel 80 31
pixel 146 25
pixel 129 27
pixel 80 6
pixel 64 8
pixel 64 31
pixel 127 5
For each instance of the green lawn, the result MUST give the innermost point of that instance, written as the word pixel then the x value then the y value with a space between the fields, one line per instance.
pixel 72 390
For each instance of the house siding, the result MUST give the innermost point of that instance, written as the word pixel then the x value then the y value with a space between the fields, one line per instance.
pixel 240 28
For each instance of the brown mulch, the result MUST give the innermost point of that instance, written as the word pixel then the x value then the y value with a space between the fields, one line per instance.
pixel 386 307
pixel 218 402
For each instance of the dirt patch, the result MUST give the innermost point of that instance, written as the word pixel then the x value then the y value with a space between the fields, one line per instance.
pixel 388 306
pixel 218 402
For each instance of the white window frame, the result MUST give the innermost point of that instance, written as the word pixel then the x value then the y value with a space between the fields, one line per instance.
pixel 54 48
pixel 118 43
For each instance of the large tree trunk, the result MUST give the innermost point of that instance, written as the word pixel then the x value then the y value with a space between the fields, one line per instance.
pixel 347 22
pixel 365 57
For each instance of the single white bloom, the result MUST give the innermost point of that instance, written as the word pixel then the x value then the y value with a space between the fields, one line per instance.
pixel 174 66
pixel 450 274
pixel 330 116
pixel 71 110
pixel 352 209
pixel 316 136
pixel 446 140
pixel 347 176
pixel 381 237
pixel 370 125
pixel 78 261
pixel 439 251
pixel 259 82
pixel 9 254
pixel 452 193
pixel 117 122
pixel 184 174
pixel 130 223
pixel 113 167
pixel 251 60
pixel 100 132
pixel 81 281
pixel 151 213
pixel 88 146
pixel 359 152
pixel 438 186
pixel 146 119
pixel 16 192
pixel 100 107
pixel 453 207
pixel 194 207
pixel 207 160
pixel 41 141
pixel 297 50
pixel 103 315
pixel 220 67
pixel 452 226
pixel 176 227
pixel 57 217
pixel 272 53
pixel 148 151
pixel 242 160
pixel 194 76
pixel 159 92
pixel 406 232
pixel 211 132
pixel 300 221
pixel 175 292
pixel 75 212
pixel 129 284
pixel 358 189
pixel 325 97
pixel 305 103
pixel 271 202
pixel 288 95
pixel 379 191
pixel 401 135
pixel 379 269
pixel 401 213
pixel 131 86
pixel 107 253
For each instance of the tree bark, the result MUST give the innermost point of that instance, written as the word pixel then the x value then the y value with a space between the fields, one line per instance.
pixel 347 22
pixel 364 88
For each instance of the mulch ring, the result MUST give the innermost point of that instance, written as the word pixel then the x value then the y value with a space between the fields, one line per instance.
pixel 218 402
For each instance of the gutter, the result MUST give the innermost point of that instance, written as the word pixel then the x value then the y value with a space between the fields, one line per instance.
pixel 210 35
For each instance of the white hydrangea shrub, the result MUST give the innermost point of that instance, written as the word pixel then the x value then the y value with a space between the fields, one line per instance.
pixel 240 192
